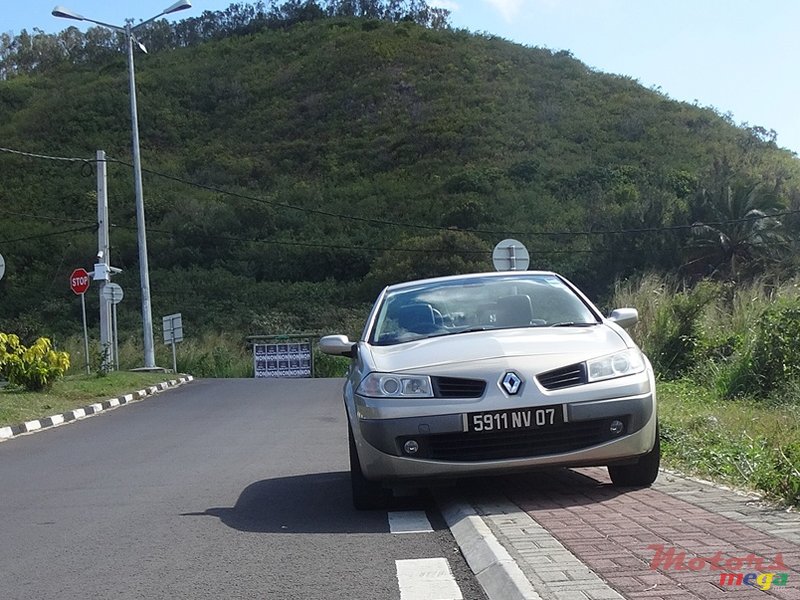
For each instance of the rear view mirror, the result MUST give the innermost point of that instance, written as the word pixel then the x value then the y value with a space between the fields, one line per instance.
pixel 338 345
pixel 624 317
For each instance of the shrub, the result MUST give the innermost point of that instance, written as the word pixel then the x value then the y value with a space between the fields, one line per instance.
pixel 326 365
pixel 775 356
pixel 669 327
pixel 34 368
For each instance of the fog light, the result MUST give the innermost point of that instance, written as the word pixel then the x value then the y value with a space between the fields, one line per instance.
pixel 411 447
pixel 616 427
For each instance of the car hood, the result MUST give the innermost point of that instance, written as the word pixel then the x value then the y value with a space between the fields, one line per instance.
pixel 555 346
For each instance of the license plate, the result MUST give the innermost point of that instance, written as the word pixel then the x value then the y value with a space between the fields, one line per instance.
pixel 515 418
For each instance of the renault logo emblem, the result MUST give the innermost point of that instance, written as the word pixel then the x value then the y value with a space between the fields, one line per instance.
pixel 511 383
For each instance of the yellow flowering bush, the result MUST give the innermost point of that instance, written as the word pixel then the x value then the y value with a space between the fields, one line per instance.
pixel 34 368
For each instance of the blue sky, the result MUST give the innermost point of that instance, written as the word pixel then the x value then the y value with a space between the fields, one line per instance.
pixel 739 56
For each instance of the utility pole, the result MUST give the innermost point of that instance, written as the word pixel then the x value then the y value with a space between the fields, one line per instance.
pixel 102 273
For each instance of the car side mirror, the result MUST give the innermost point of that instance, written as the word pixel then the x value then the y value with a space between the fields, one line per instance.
pixel 624 317
pixel 338 345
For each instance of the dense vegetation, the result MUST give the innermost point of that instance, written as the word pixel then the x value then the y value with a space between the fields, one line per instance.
pixel 729 362
pixel 300 156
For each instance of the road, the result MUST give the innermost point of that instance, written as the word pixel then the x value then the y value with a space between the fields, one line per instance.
pixel 218 489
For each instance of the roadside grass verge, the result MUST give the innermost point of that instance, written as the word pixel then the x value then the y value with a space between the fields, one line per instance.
pixel 746 443
pixel 74 391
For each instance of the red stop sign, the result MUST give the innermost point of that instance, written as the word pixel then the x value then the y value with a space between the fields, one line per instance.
pixel 79 281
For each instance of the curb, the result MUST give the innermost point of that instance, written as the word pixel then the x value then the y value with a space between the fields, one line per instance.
pixel 494 568
pixel 12 431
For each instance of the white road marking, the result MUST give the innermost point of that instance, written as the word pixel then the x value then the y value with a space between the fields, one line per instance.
pixel 409 521
pixel 427 579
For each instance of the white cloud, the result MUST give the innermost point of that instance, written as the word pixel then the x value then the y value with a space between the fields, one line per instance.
pixel 446 4
pixel 508 8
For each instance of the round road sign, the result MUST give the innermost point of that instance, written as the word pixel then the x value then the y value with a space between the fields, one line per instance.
pixel 113 293
pixel 510 255
pixel 79 281
pixel 2 266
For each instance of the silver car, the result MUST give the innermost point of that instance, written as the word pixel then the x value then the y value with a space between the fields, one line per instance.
pixel 494 373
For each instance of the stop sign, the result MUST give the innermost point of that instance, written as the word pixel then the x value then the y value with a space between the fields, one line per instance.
pixel 79 281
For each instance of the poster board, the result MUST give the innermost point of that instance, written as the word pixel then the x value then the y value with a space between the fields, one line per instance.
pixel 282 358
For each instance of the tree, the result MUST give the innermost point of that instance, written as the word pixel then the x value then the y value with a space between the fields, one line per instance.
pixel 739 232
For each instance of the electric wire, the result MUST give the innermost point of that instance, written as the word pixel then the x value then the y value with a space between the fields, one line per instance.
pixel 400 224
pixel 45 217
pixel 343 246
pixel 49 234
pixel 46 157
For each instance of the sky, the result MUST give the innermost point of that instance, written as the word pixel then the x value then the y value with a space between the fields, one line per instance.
pixel 741 57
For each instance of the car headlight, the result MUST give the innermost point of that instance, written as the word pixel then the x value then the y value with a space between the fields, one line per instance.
pixel 388 385
pixel 620 364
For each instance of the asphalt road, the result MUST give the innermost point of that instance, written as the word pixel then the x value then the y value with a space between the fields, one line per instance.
pixel 219 489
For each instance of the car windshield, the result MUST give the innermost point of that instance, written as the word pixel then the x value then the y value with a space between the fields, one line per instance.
pixel 439 308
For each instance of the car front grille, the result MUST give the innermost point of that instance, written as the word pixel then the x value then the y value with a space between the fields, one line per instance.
pixel 472 447
pixel 563 377
pixel 452 387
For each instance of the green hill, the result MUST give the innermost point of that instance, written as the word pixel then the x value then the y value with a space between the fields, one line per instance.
pixel 292 171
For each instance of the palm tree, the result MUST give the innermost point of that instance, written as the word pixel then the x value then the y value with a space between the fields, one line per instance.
pixel 740 230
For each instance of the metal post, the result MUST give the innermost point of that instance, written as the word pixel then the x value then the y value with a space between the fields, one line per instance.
pixel 174 358
pixel 104 257
pixel 116 337
pixel 85 333
pixel 147 315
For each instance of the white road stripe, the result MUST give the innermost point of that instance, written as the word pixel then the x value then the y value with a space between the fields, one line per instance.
pixel 427 579
pixel 409 521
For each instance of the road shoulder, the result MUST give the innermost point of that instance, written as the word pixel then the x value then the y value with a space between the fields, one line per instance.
pixel 37 425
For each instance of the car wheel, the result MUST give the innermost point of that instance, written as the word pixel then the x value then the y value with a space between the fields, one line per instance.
pixel 367 495
pixel 640 474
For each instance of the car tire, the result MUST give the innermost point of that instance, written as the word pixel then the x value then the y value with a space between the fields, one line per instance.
pixel 367 495
pixel 643 472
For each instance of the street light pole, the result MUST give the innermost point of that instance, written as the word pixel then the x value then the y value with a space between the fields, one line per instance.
pixel 144 271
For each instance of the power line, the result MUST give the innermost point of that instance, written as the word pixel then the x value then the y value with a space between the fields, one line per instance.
pixel 386 222
pixel 46 157
pixel 46 235
pixel 45 217
pixel 640 230
pixel 349 247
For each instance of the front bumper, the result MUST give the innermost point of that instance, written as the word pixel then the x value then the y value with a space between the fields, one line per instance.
pixel 446 450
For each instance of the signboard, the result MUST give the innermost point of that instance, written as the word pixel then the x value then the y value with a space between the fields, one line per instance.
pixel 113 293
pixel 510 255
pixel 173 328
pixel 79 281
pixel 282 359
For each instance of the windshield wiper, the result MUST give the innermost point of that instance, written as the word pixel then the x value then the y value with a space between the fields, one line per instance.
pixel 572 324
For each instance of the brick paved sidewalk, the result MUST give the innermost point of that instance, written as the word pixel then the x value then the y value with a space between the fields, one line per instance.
pixel 606 538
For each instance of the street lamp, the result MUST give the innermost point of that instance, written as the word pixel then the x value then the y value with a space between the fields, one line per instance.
pixel 128 29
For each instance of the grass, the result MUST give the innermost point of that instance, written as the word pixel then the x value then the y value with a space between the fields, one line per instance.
pixel 747 443
pixel 73 391
pixel 208 355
